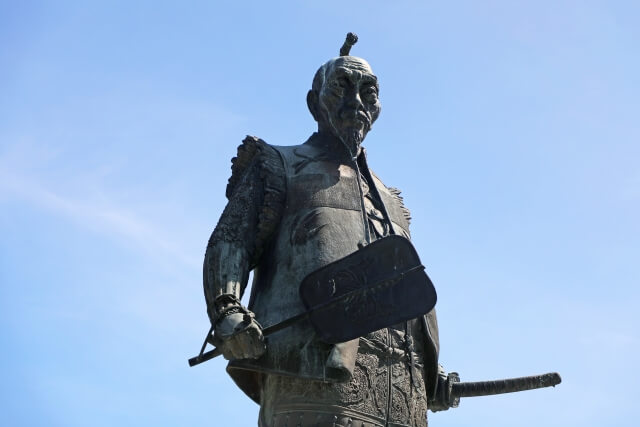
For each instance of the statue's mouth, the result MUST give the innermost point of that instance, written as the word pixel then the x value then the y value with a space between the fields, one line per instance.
pixel 357 119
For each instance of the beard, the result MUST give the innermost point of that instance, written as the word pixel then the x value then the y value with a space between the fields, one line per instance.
pixel 351 133
pixel 352 137
pixel 351 128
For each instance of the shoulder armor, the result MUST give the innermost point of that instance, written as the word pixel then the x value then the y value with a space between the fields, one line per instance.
pixel 240 164
pixel 258 157
pixel 396 195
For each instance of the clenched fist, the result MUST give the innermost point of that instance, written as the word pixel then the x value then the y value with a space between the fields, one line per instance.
pixel 239 336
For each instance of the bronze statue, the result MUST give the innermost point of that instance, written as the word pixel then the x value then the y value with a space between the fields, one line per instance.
pixel 296 210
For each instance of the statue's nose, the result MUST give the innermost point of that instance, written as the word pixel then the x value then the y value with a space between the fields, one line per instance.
pixel 354 102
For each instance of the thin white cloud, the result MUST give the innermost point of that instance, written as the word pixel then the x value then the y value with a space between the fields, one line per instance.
pixel 103 216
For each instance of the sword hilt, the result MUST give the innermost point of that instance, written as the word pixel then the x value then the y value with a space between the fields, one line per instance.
pixel 203 357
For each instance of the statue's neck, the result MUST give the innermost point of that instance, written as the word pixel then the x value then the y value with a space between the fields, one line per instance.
pixel 334 144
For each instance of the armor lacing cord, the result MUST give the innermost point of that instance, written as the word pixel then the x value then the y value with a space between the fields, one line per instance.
pixel 374 190
pixel 363 208
pixel 412 366
pixel 412 354
pixel 230 310
pixel 225 305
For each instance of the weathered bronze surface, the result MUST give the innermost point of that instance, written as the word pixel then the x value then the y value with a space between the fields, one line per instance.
pixel 377 286
pixel 340 328
pixel 380 285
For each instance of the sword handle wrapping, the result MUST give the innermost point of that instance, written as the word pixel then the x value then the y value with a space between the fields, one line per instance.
pixel 203 357
pixel 510 385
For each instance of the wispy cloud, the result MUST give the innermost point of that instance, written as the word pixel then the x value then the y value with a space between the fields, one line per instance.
pixel 97 212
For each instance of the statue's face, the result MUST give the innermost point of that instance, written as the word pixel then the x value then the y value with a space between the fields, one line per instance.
pixel 349 99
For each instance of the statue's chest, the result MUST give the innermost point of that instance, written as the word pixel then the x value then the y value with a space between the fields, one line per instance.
pixel 323 184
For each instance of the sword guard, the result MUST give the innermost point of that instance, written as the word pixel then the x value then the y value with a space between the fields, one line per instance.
pixel 452 399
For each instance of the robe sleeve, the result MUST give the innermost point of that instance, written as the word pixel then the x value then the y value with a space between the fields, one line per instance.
pixel 256 193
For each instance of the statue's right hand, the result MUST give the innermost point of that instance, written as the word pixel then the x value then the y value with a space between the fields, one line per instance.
pixel 239 336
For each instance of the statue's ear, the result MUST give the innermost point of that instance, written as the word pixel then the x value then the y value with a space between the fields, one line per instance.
pixel 312 104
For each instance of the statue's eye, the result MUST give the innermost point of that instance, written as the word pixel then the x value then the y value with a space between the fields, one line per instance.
pixel 369 94
pixel 337 86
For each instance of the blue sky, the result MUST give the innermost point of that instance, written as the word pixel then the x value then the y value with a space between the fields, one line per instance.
pixel 512 128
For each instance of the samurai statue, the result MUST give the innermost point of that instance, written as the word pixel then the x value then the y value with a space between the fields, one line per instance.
pixel 293 210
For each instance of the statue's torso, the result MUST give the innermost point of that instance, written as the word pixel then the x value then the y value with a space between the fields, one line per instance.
pixel 322 222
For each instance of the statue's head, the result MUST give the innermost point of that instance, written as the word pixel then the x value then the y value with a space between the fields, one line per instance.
pixel 344 97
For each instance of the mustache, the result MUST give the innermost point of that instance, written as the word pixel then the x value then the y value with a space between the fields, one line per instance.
pixel 357 115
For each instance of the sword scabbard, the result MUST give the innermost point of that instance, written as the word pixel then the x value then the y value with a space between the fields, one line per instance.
pixel 509 385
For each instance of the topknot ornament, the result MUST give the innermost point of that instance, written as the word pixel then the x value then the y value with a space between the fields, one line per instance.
pixel 350 41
